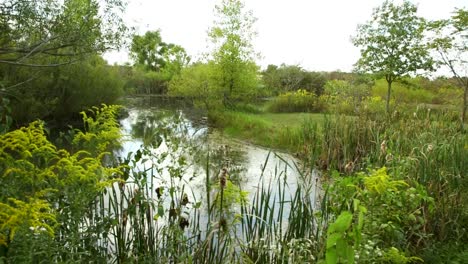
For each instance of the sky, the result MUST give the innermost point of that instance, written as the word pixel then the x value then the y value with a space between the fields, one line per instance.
pixel 313 34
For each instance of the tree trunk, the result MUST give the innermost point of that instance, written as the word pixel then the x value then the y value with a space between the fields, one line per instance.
pixel 463 112
pixel 389 83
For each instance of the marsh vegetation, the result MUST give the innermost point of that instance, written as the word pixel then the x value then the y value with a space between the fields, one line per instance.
pixel 171 160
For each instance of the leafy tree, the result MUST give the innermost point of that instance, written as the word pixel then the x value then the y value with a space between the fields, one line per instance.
pixel 45 33
pixel 148 50
pixel 292 78
pixel 59 93
pixel 451 44
pixel 392 43
pixel 161 60
pixel 314 82
pixel 197 82
pixel 271 78
pixel 233 53
pixel 36 37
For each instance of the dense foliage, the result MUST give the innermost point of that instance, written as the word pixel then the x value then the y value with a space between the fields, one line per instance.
pixel 374 186
pixel 46 207
pixel 230 74
pixel 58 94
pixel 392 43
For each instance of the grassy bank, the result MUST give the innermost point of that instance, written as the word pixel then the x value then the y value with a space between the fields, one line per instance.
pixel 423 154
pixel 283 131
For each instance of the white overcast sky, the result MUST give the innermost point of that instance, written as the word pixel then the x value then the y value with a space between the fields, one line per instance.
pixel 314 34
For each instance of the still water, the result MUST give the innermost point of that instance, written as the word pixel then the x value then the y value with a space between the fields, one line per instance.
pixel 182 150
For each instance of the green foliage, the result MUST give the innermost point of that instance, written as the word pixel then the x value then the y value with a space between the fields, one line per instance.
pixel 338 248
pixel 298 101
pixel 378 232
pixel 142 81
pixel 393 255
pixel 5 115
pixel 343 97
pixel 58 94
pixel 102 131
pixel 405 94
pixel 155 55
pixel 379 182
pixel 50 190
pixel 198 82
pixel 451 44
pixel 288 78
pixel 84 85
pixel 48 32
pixel 49 63
pixel 34 214
pixel 233 55
pixel 392 43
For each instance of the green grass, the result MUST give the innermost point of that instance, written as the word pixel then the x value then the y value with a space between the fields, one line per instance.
pixel 274 130
pixel 290 119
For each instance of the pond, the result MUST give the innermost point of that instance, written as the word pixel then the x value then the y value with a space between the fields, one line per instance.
pixel 182 172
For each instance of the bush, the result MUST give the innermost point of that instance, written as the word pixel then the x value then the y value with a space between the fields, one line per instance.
pixel 403 93
pixel 299 101
pixel 59 95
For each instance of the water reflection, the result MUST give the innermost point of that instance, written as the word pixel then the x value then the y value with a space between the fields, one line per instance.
pixel 179 140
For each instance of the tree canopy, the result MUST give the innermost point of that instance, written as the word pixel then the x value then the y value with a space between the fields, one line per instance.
pixel 152 52
pixel 233 52
pixel 392 43
pixel 49 56
pixel 451 45
pixel 50 32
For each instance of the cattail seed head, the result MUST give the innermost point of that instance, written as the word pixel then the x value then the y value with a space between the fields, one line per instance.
pixel 223 178
pixel 430 148
pixel 383 147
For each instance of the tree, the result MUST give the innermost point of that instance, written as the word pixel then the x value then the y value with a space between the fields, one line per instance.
pixel 233 53
pixel 47 33
pixel 160 61
pixel 197 82
pixel 39 38
pixel 451 45
pixel 392 44
pixel 291 77
pixel 270 79
pixel 314 82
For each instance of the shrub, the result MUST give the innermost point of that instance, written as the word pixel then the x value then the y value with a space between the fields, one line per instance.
pixel 299 101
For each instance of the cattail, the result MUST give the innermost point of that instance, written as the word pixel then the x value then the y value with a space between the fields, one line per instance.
pixel 430 147
pixel 383 147
pixel 223 178
pixel 124 217
pixel 349 167
pixel 185 200
pixel 389 157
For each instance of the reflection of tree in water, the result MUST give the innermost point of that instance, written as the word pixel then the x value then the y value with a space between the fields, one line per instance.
pixel 154 127
pixel 228 157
